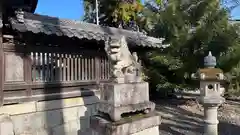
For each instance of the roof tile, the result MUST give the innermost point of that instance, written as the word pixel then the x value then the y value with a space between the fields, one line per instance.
pixel 52 25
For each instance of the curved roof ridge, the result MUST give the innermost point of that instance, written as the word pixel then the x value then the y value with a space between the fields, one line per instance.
pixel 37 16
pixel 37 23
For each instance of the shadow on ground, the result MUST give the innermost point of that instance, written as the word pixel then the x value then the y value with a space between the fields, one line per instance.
pixel 178 121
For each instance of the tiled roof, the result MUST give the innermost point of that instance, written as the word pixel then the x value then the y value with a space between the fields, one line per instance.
pixel 234 21
pixel 61 27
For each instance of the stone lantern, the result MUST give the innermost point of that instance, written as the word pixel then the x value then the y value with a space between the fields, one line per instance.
pixel 210 93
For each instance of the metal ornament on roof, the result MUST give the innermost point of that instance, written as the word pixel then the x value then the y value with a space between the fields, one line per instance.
pixel 210 61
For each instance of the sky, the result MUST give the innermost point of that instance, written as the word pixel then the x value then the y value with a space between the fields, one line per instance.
pixel 73 9
pixel 68 9
pixel 236 13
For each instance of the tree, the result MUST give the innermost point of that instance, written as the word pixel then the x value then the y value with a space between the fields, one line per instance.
pixel 113 12
pixel 192 28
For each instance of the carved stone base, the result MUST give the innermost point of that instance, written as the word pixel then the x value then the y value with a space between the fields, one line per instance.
pixel 136 125
pixel 121 94
pixel 131 78
pixel 116 112
pixel 119 98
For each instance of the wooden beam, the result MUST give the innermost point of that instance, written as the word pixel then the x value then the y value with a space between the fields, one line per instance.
pixel 28 72
pixel 1 54
pixel 97 69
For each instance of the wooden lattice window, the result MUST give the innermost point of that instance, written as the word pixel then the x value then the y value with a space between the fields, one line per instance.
pixel 54 67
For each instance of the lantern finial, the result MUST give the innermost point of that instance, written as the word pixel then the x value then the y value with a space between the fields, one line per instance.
pixel 210 61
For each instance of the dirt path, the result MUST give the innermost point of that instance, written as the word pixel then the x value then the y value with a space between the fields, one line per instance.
pixel 183 117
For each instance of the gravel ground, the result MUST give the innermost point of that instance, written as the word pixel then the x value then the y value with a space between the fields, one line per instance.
pixel 184 117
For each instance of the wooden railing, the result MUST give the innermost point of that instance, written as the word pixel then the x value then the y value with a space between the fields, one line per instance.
pixel 63 67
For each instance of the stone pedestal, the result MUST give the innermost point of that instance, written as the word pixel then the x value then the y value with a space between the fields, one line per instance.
pixel 6 125
pixel 211 105
pixel 119 98
pixel 136 125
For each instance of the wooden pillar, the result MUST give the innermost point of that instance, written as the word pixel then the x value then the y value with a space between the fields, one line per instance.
pixel 27 67
pixel 97 69
pixel 28 73
pixel 1 54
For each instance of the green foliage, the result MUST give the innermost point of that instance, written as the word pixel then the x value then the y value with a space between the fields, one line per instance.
pixel 159 2
pixel 192 28
pixel 113 12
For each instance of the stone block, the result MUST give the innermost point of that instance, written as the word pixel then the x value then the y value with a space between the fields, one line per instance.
pixel 69 128
pixel 65 103
pixel 116 112
pixel 43 132
pixel 17 109
pixel 127 126
pixel 94 109
pixel 34 122
pixel 124 93
pixel 149 131
pixel 87 111
pixel 70 114
pixel 72 133
pixel 72 127
pixel 87 132
pixel 53 118
pixel 60 129
pixel 132 78
pixel 48 119
pixel 25 124
pixel 83 111
pixel 6 125
pixel 84 123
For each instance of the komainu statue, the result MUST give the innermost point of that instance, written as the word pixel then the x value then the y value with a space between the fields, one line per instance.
pixel 123 63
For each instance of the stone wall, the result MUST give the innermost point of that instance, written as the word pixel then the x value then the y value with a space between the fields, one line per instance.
pixel 57 117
